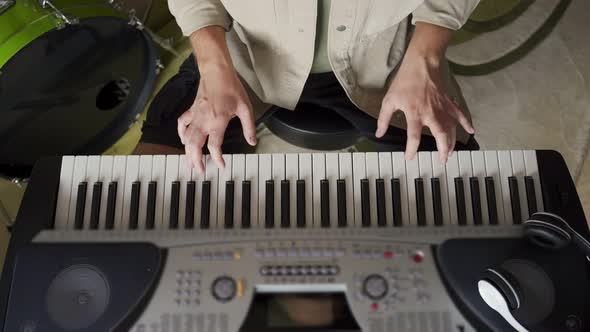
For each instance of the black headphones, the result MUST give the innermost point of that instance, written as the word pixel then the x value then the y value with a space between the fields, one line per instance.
pixel 505 288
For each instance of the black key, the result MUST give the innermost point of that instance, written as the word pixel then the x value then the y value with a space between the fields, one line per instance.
pixel 205 204
pixel 229 204
pixel 269 219
pixel 189 219
pixel 475 200
pixel 174 202
pixel 365 203
pixel 325 203
pixel 420 202
pixel 460 197
pixel 515 200
pixel 381 215
pixel 285 201
pixel 341 196
pixel 531 196
pixel 134 208
pixel 151 205
pixel 95 207
pixel 436 201
pixel 491 197
pixel 396 202
pixel 80 202
pixel 300 203
pixel 246 201
pixel 111 203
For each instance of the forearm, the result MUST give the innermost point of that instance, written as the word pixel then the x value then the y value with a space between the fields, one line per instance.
pixel 429 42
pixel 210 49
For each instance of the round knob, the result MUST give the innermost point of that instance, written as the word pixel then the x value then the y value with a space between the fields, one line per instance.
pixel 224 289
pixel 375 287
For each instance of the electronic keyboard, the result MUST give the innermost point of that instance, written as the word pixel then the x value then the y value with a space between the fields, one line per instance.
pixel 144 243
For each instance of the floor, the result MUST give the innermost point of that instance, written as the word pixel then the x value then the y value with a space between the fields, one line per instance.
pixel 540 100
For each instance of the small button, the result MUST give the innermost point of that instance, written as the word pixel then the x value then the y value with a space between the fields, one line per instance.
pixel 207 256
pixel 374 306
pixel 292 252
pixel 341 28
pixel 304 252
pixel 258 253
pixel 313 270
pixel 315 252
pixel 328 252
pixel 281 252
pixel 269 253
pixel 418 256
pixel 197 256
pixel 339 252
pixel 228 256
pixel 388 255
pixel 264 270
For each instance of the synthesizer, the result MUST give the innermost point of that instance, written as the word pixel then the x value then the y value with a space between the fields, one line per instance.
pixel 146 244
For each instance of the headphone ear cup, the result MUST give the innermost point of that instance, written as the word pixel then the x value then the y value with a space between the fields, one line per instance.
pixel 547 231
pixel 506 284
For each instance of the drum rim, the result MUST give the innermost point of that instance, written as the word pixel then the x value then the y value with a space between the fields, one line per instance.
pixel 110 134
pixel 37 28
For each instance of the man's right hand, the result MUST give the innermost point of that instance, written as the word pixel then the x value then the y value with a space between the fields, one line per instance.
pixel 220 97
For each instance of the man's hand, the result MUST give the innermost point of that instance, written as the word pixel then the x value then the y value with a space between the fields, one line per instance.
pixel 220 97
pixel 417 90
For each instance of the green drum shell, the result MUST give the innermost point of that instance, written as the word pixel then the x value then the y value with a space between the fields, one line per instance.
pixel 27 20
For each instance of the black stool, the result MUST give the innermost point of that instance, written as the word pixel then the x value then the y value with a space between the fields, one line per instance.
pixel 312 127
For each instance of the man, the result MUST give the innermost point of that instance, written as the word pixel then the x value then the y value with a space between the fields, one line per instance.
pixel 366 59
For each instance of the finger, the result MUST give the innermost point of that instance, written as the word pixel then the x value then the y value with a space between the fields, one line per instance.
pixel 461 118
pixel 413 141
pixel 194 148
pixel 248 127
pixel 183 121
pixel 214 145
pixel 452 141
pixel 388 108
pixel 442 145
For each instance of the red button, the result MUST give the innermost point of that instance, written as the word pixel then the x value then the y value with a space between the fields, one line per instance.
pixel 388 255
pixel 418 257
pixel 375 306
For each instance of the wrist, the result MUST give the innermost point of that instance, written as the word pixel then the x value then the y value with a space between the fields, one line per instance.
pixel 211 50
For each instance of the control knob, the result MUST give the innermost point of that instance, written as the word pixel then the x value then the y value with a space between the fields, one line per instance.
pixel 375 287
pixel 224 289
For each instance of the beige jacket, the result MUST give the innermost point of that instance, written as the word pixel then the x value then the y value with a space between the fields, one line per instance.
pixel 272 43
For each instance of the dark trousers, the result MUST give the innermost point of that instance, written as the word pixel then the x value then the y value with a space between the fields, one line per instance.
pixel 322 90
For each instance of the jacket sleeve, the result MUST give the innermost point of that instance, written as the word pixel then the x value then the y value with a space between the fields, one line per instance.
pixel 450 14
pixel 192 15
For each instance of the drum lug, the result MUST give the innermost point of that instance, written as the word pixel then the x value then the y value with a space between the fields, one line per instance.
pixel 5 4
pixel 159 66
pixel 165 43
pixel 63 17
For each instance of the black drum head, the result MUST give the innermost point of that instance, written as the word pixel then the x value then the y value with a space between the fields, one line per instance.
pixel 73 91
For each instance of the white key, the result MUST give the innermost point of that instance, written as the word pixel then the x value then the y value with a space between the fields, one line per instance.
pixel 372 162
pixel 452 172
pixel 264 174
pixel 439 171
pixel 319 173
pixel 332 174
pixel 171 176
pixel 159 176
pixel 412 172
pixel 252 176
pixel 92 170
pixel 119 176
pixel 359 172
pixel 399 172
pixel 305 174
pixel 386 173
pixel 466 171
pixel 530 162
pixel 425 162
pixel 519 171
pixel 278 174
pixel 493 170
pixel 212 175
pixel 238 174
pixel 78 176
pixel 198 178
pixel 345 160
pixel 224 176
pixel 184 176
pixel 505 172
pixel 144 177
pixel 131 175
pixel 64 192
pixel 479 171
pixel 292 174
pixel 104 176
